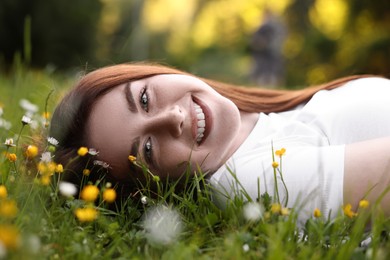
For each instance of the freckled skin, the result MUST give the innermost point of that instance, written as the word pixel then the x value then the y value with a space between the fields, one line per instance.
pixel 112 127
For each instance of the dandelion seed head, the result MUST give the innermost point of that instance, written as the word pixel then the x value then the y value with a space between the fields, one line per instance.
pixel 253 211
pixel 67 189
pixel 162 225
pixel 245 248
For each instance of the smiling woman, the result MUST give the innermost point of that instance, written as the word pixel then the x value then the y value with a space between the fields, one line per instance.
pixel 175 123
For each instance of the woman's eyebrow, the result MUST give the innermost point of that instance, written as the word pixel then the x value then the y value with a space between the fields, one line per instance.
pixel 130 98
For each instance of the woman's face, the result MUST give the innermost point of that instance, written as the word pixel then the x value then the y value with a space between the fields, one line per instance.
pixel 166 121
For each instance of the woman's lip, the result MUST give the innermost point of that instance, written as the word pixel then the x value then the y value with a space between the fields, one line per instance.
pixel 208 119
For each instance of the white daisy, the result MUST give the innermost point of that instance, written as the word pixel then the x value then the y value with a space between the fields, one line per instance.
pixel 28 106
pixel 26 120
pixel 52 141
pixel 46 157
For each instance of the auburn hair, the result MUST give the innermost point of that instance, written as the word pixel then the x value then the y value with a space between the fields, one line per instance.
pixel 70 116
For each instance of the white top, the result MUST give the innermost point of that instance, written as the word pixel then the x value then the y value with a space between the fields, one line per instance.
pixel 314 136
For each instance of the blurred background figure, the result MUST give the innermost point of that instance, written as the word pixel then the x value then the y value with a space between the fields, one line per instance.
pixel 266 48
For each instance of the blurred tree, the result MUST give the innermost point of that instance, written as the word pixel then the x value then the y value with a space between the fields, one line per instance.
pixel 63 32
pixel 335 38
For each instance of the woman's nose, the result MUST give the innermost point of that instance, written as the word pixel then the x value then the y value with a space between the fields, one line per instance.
pixel 171 120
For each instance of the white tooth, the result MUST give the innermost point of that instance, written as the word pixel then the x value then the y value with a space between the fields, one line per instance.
pixel 196 105
pixel 200 130
pixel 200 116
pixel 198 110
pixel 201 123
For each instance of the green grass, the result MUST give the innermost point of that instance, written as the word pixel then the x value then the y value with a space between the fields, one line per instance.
pixel 45 225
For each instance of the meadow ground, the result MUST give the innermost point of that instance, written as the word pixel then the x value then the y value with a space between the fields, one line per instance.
pixel 41 218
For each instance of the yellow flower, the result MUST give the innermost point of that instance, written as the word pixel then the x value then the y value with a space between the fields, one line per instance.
pixel 12 157
pixel 348 211
pixel 45 180
pixel 132 158
pixel 275 164
pixel 109 195
pixel 3 192
pixel 82 151
pixel 86 214
pixel 86 172
pixel 59 168
pixel 285 211
pixel 364 204
pixel 280 152
pixel 31 151
pixel 46 115
pixel 89 193
pixel 275 208
pixel 8 208
pixel 9 237
pixel 317 213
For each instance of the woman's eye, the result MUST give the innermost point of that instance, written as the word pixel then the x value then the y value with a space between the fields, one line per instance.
pixel 148 150
pixel 144 99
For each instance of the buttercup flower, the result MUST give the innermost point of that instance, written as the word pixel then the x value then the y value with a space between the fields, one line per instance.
pixel 67 189
pixel 285 211
pixel 3 192
pixel 9 142
pixel 132 158
pixel 9 237
pixel 46 115
pixel 26 120
pixel 348 211
pixel 45 180
pixel 276 208
pixel 317 213
pixel 280 152
pixel 8 208
pixel 253 211
pixel 109 195
pixel 89 193
pixel 31 151
pixel 275 164
pixel 59 168
pixel 87 214
pixel 12 157
pixel 364 204
pixel 86 172
pixel 82 151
